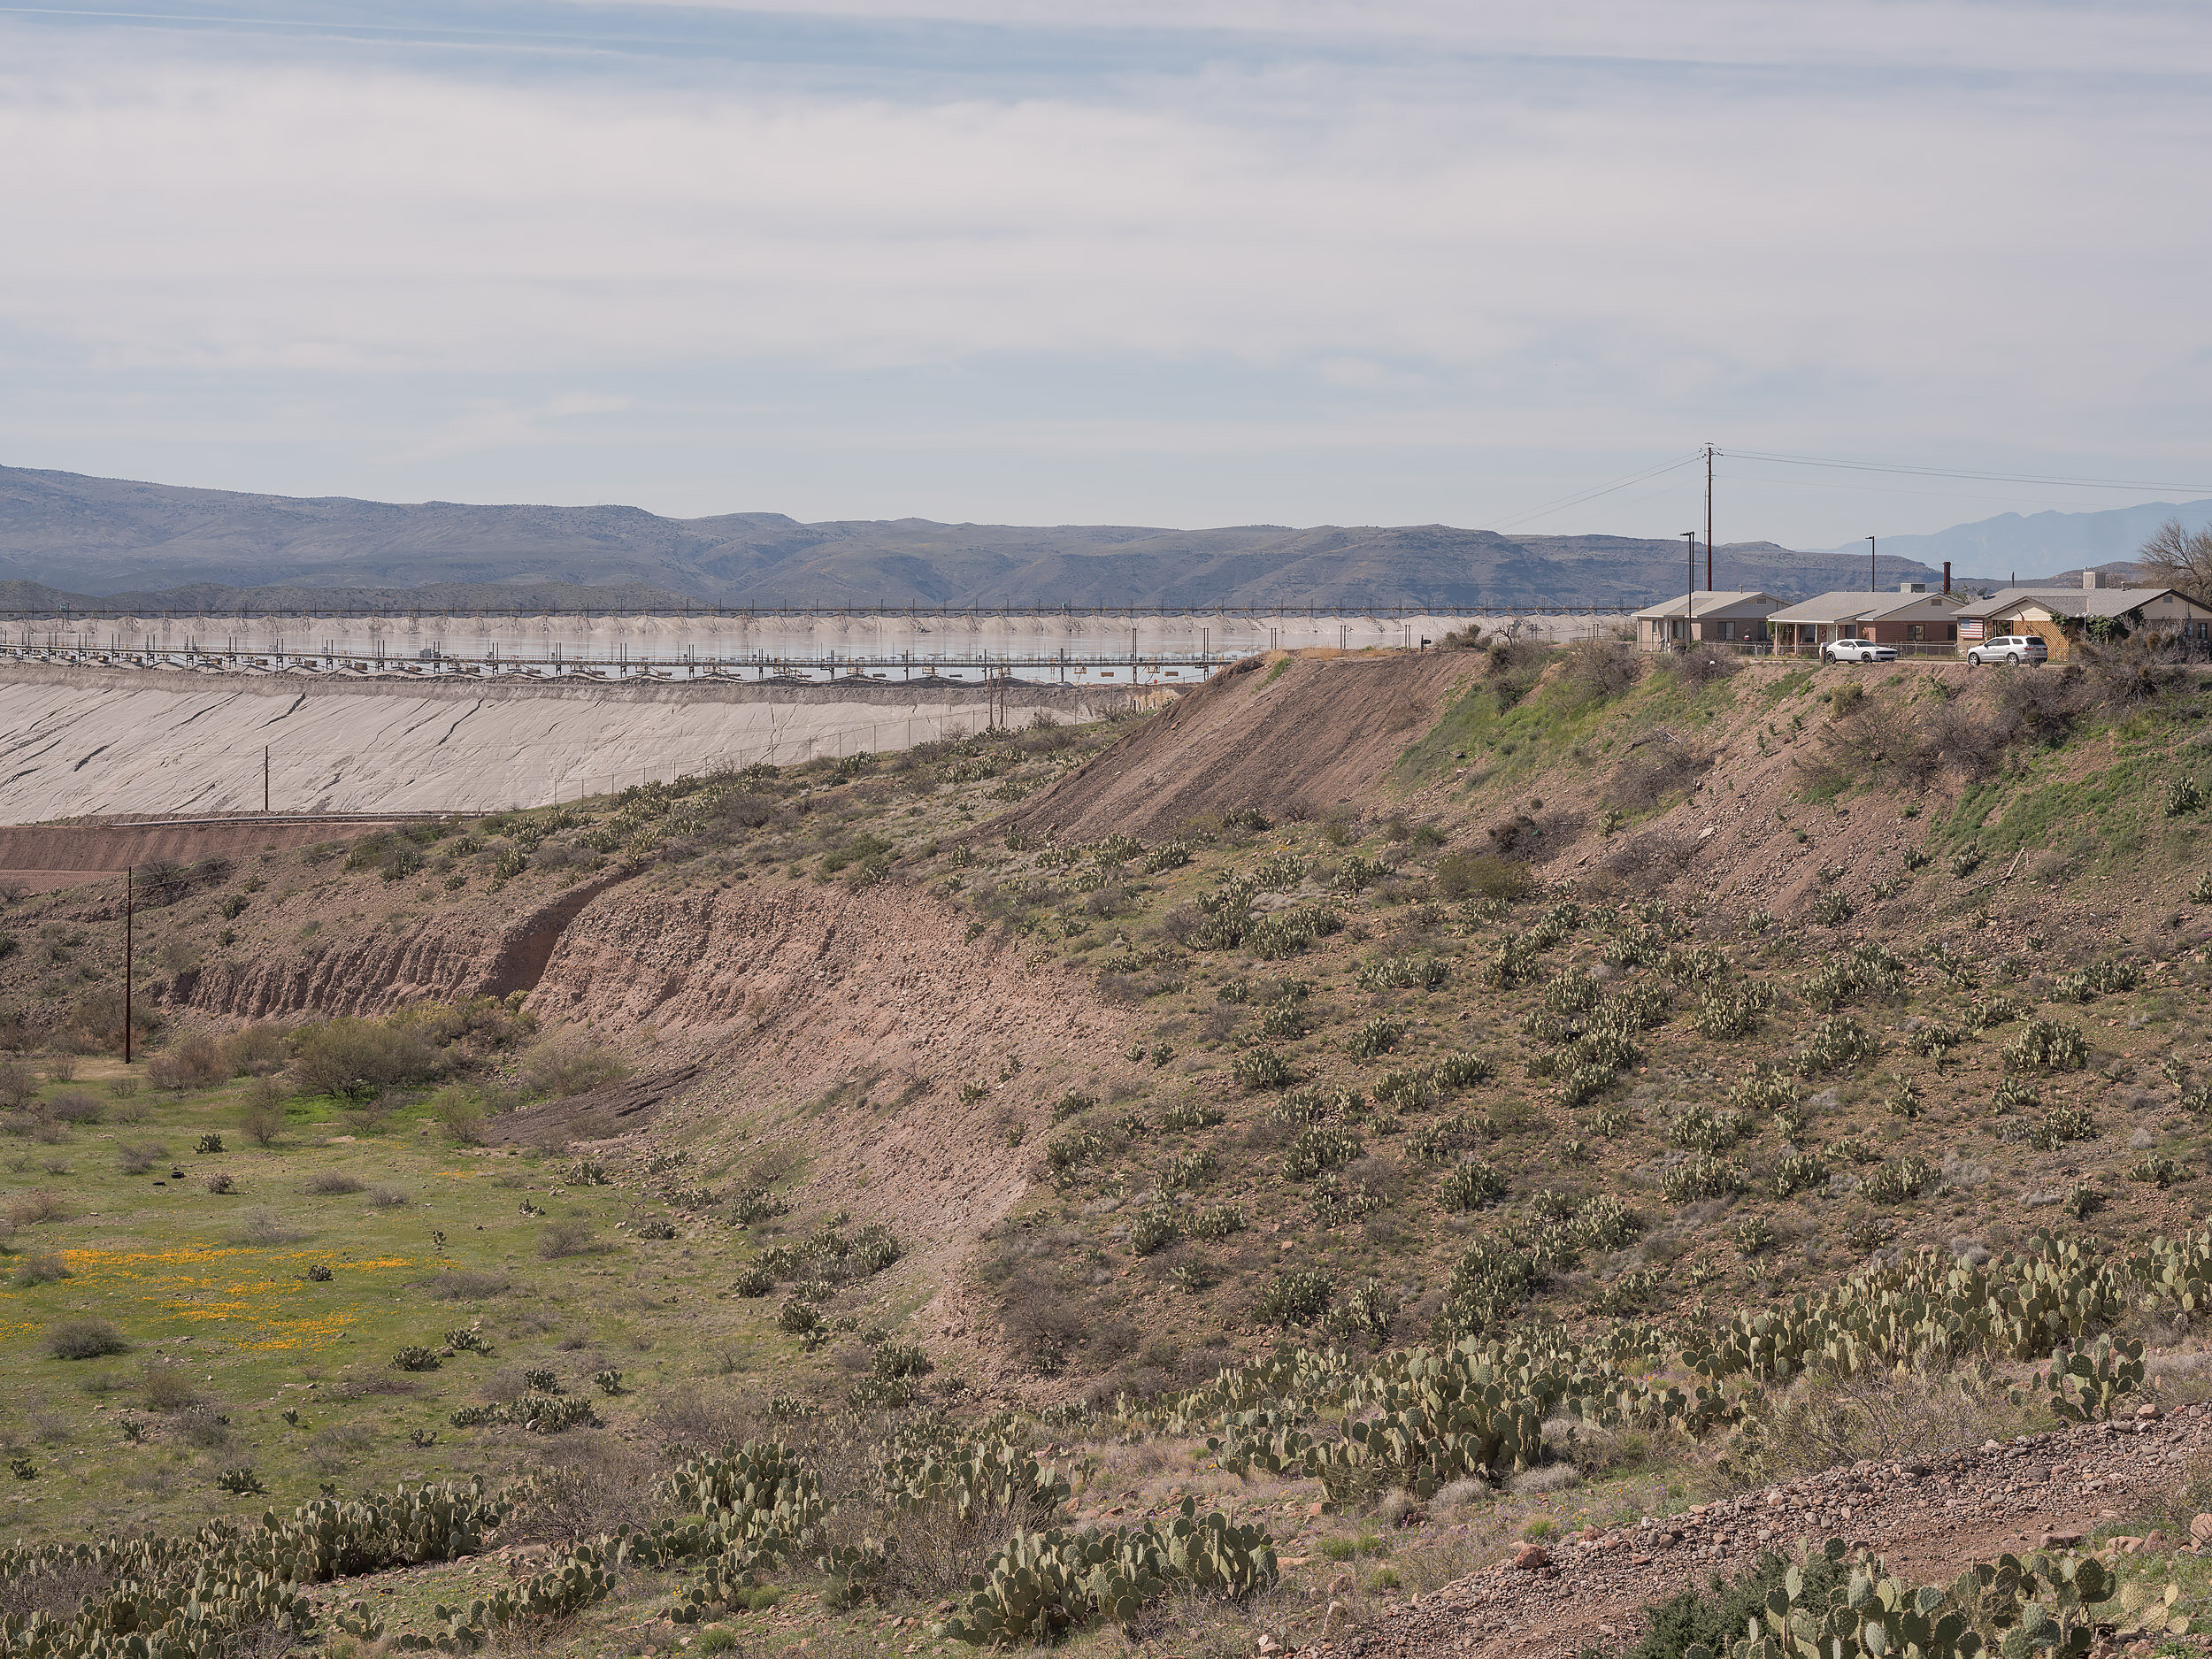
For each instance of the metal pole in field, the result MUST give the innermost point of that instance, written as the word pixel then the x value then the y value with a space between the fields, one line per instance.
pixel 1689 601
pixel 264 777
pixel 130 883
pixel 1870 564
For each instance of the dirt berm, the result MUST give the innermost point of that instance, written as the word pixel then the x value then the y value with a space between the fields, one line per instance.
pixel 1289 734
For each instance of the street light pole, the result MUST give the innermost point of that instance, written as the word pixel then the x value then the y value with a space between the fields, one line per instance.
pixel 1870 564
pixel 1689 598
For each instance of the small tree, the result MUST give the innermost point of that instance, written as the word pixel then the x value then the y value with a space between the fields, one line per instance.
pixel 2179 558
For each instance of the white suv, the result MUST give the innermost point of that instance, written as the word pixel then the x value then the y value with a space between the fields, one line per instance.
pixel 2010 647
pixel 1858 651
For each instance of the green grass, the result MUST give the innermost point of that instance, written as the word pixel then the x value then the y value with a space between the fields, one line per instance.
pixel 217 1287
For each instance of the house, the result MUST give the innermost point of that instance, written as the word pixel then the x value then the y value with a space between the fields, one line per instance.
pixel 2060 615
pixel 1728 618
pixel 1914 615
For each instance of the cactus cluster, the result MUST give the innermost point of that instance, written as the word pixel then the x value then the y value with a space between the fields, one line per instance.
pixel 1044 1584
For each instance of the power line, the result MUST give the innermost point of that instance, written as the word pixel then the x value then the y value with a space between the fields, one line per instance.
pixel 1602 489
pixel 1943 472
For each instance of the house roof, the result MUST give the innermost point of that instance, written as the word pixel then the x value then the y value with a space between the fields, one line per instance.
pixel 1711 602
pixel 2070 602
pixel 1858 605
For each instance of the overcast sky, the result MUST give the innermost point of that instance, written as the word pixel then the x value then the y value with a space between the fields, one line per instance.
pixel 1176 262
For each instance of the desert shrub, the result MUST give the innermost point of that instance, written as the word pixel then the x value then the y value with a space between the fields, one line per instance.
pixel 1654 767
pixel 76 1108
pixel 165 1385
pixel 1482 876
pixel 262 1117
pixel 136 1157
pixel 255 1050
pixel 1602 668
pixel 567 1235
pixel 570 1066
pixel 29 1208
pixel 191 1062
pixel 84 1339
pixel 355 1057
pixel 18 1088
pixel 333 1183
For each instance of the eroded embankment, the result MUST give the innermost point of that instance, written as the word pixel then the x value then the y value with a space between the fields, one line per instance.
pixel 76 741
pixel 856 1034
pixel 1301 734
pixel 438 956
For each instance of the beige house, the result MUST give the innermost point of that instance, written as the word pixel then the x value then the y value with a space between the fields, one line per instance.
pixel 1915 615
pixel 1732 619
pixel 2060 615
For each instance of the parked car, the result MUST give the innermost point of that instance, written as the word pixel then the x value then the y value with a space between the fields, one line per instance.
pixel 2010 647
pixel 1858 651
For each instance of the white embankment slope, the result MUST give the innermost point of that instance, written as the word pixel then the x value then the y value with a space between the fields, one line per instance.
pixel 77 742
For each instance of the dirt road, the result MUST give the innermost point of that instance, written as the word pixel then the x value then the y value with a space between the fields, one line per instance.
pixel 1927 1520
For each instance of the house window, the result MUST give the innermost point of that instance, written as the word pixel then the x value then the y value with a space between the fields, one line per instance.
pixel 1850 631
pixel 1728 630
pixel 1954 633
pixel 1912 632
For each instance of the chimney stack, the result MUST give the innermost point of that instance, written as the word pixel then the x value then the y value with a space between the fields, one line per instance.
pixel 2089 579
pixel 1947 576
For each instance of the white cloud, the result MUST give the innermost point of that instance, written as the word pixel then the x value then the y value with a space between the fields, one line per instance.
pixel 1490 251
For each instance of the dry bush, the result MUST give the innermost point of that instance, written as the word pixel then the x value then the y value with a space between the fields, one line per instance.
pixel 570 1066
pixel 1654 858
pixel 84 1339
pixel 191 1062
pixel 2035 706
pixel 2122 675
pixel 58 1587
pixel 30 1208
pixel 136 1157
pixel 1482 875
pixel 689 1420
pixel 584 1485
pixel 255 1050
pixel 265 1227
pixel 1602 668
pixel 1655 766
pixel 76 1107
pixel 1824 1422
pixel 568 1236
pixel 1702 663
pixel 18 1088
pixel 1041 1321
pixel 165 1387
pixel 333 1183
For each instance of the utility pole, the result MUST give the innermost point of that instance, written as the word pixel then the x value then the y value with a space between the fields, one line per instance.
pixel 1708 518
pixel 1689 600
pixel 264 778
pixel 130 883
pixel 1870 564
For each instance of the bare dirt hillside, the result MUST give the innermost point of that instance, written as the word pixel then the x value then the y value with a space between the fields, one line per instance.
pixel 1291 735
pixel 855 1037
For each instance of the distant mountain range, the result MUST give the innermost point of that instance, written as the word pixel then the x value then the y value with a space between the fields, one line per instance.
pixel 68 540
pixel 2044 544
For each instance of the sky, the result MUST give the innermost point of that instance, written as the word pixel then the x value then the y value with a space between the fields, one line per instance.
pixel 1169 262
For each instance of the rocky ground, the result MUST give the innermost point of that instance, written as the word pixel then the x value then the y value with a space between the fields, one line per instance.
pixel 1927 1520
